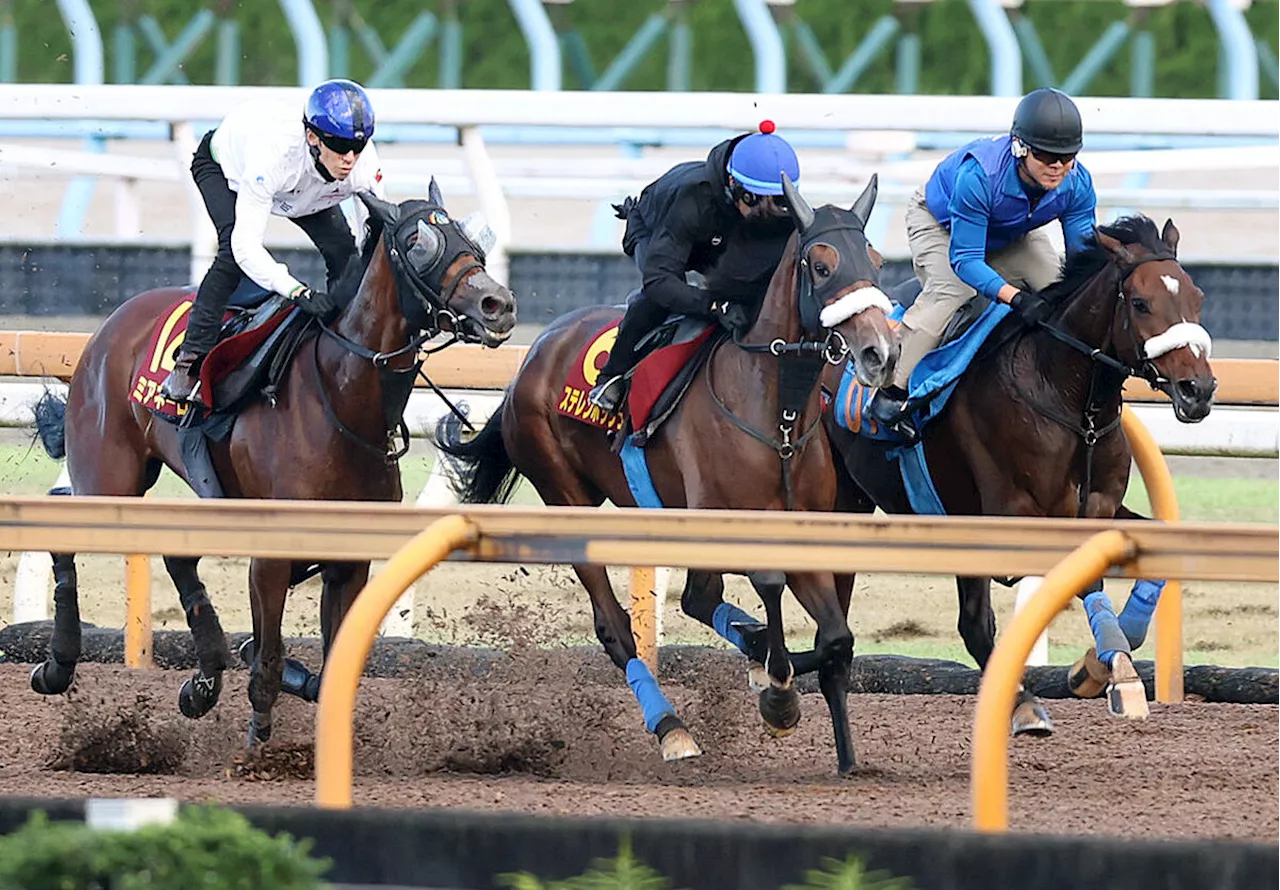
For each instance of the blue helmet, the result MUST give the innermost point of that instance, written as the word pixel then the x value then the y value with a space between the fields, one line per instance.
pixel 759 161
pixel 340 108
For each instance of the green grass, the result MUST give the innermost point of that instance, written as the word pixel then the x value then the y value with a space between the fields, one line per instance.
pixel 1215 500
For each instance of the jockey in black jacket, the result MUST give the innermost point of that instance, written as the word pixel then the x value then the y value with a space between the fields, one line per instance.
pixel 724 218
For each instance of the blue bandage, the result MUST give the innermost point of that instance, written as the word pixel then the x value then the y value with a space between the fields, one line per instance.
pixel 1106 628
pixel 1135 617
pixel 652 702
pixel 723 619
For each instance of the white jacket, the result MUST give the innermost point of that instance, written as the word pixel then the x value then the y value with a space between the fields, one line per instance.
pixel 262 150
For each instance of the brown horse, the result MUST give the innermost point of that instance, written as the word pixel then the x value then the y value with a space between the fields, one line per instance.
pixel 1032 427
pixel 326 436
pixel 737 440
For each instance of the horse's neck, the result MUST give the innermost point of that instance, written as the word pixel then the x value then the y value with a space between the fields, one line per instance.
pixel 779 316
pixel 373 318
pixel 1088 317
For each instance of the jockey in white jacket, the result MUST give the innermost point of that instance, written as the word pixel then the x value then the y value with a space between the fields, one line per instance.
pixel 263 160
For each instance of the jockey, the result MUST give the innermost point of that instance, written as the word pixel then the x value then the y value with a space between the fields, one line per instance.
pixel 262 161
pixel 723 217
pixel 976 226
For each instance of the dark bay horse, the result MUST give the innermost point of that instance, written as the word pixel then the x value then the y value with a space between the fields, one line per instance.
pixel 1032 428
pixel 327 435
pixel 731 443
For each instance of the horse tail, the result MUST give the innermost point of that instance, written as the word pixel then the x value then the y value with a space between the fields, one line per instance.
pixel 51 423
pixel 485 473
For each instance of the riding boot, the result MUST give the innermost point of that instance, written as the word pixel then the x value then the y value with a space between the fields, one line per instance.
pixel 888 408
pixel 184 380
pixel 609 394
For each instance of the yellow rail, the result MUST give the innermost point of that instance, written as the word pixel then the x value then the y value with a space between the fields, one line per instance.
pixel 346 661
pixel 990 781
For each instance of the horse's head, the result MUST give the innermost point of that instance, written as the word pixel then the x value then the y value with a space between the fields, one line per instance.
pixel 839 273
pixel 1158 317
pixel 439 267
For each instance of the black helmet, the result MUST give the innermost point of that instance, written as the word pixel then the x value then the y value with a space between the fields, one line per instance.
pixel 1047 119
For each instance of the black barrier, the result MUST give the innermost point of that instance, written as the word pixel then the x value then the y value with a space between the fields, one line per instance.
pixel 468 851
pixel 395 658
pixel 86 279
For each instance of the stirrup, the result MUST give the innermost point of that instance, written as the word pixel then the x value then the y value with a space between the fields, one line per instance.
pixel 608 396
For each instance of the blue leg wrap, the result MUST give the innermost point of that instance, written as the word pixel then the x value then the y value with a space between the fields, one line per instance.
pixel 1105 626
pixel 723 619
pixel 652 702
pixel 1135 617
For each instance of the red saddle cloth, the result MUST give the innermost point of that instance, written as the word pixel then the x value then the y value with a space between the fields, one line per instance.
pixel 169 331
pixel 651 376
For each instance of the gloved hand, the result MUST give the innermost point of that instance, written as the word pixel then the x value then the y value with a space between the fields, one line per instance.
pixel 1029 307
pixel 732 316
pixel 314 302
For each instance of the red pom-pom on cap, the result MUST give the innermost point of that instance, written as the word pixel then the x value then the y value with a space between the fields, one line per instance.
pixel 767 127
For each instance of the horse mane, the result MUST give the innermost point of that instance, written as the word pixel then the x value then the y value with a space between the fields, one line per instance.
pixel 1136 229
pixel 348 283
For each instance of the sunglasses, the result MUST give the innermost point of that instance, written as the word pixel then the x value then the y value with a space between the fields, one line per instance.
pixel 342 145
pixel 751 199
pixel 1049 158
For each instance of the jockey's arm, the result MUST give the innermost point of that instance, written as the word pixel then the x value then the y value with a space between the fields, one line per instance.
pixel 970 211
pixel 1082 212
pixel 253 210
pixel 668 260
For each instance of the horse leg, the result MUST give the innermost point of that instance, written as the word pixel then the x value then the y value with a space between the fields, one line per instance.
pixel 1110 662
pixel 200 692
pixel 343 582
pixel 779 700
pixel 833 650
pixel 613 630
pixel 977 626
pixel 268 587
pixel 703 600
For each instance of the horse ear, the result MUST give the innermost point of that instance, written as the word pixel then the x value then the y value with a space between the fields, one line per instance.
pixel 1119 252
pixel 433 193
pixel 385 211
pixel 801 212
pixel 1169 235
pixel 867 200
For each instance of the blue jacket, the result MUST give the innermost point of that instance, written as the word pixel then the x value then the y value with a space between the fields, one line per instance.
pixel 977 194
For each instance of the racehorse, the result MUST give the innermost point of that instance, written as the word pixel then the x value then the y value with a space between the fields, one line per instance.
pixel 326 434
pixel 747 434
pixel 1032 427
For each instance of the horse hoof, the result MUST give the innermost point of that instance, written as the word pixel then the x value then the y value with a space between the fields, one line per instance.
pixel 845 770
pixel 1126 696
pixel 246 652
pixel 780 708
pixel 757 677
pixel 678 744
pixel 259 729
pixel 1088 676
pixel 198 695
pixel 52 678
pixel 1031 719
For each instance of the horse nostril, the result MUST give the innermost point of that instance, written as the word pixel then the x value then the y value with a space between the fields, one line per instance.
pixel 1191 389
pixel 491 307
pixel 871 357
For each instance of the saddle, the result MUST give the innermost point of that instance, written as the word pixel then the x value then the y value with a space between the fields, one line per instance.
pixel 260 333
pixel 668 357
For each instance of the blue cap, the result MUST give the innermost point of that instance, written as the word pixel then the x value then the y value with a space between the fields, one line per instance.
pixel 759 161
pixel 340 108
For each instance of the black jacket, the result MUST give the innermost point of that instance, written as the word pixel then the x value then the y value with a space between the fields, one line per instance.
pixel 692 224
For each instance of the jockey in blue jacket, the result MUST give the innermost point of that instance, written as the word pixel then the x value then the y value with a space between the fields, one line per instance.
pixel 976 226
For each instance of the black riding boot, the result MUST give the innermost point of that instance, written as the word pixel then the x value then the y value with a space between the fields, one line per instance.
pixel 611 390
pixel 888 408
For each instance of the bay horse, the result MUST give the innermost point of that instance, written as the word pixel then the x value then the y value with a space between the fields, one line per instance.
pixel 732 442
pixel 327 435
pixel 1033 425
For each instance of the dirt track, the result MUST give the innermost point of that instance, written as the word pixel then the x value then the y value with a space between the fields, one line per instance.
pixel 553 733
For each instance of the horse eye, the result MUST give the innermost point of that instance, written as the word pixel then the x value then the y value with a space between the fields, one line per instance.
pixel 1141 306
pixel 821 270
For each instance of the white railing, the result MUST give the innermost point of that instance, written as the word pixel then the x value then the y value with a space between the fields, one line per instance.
pixel 877 130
